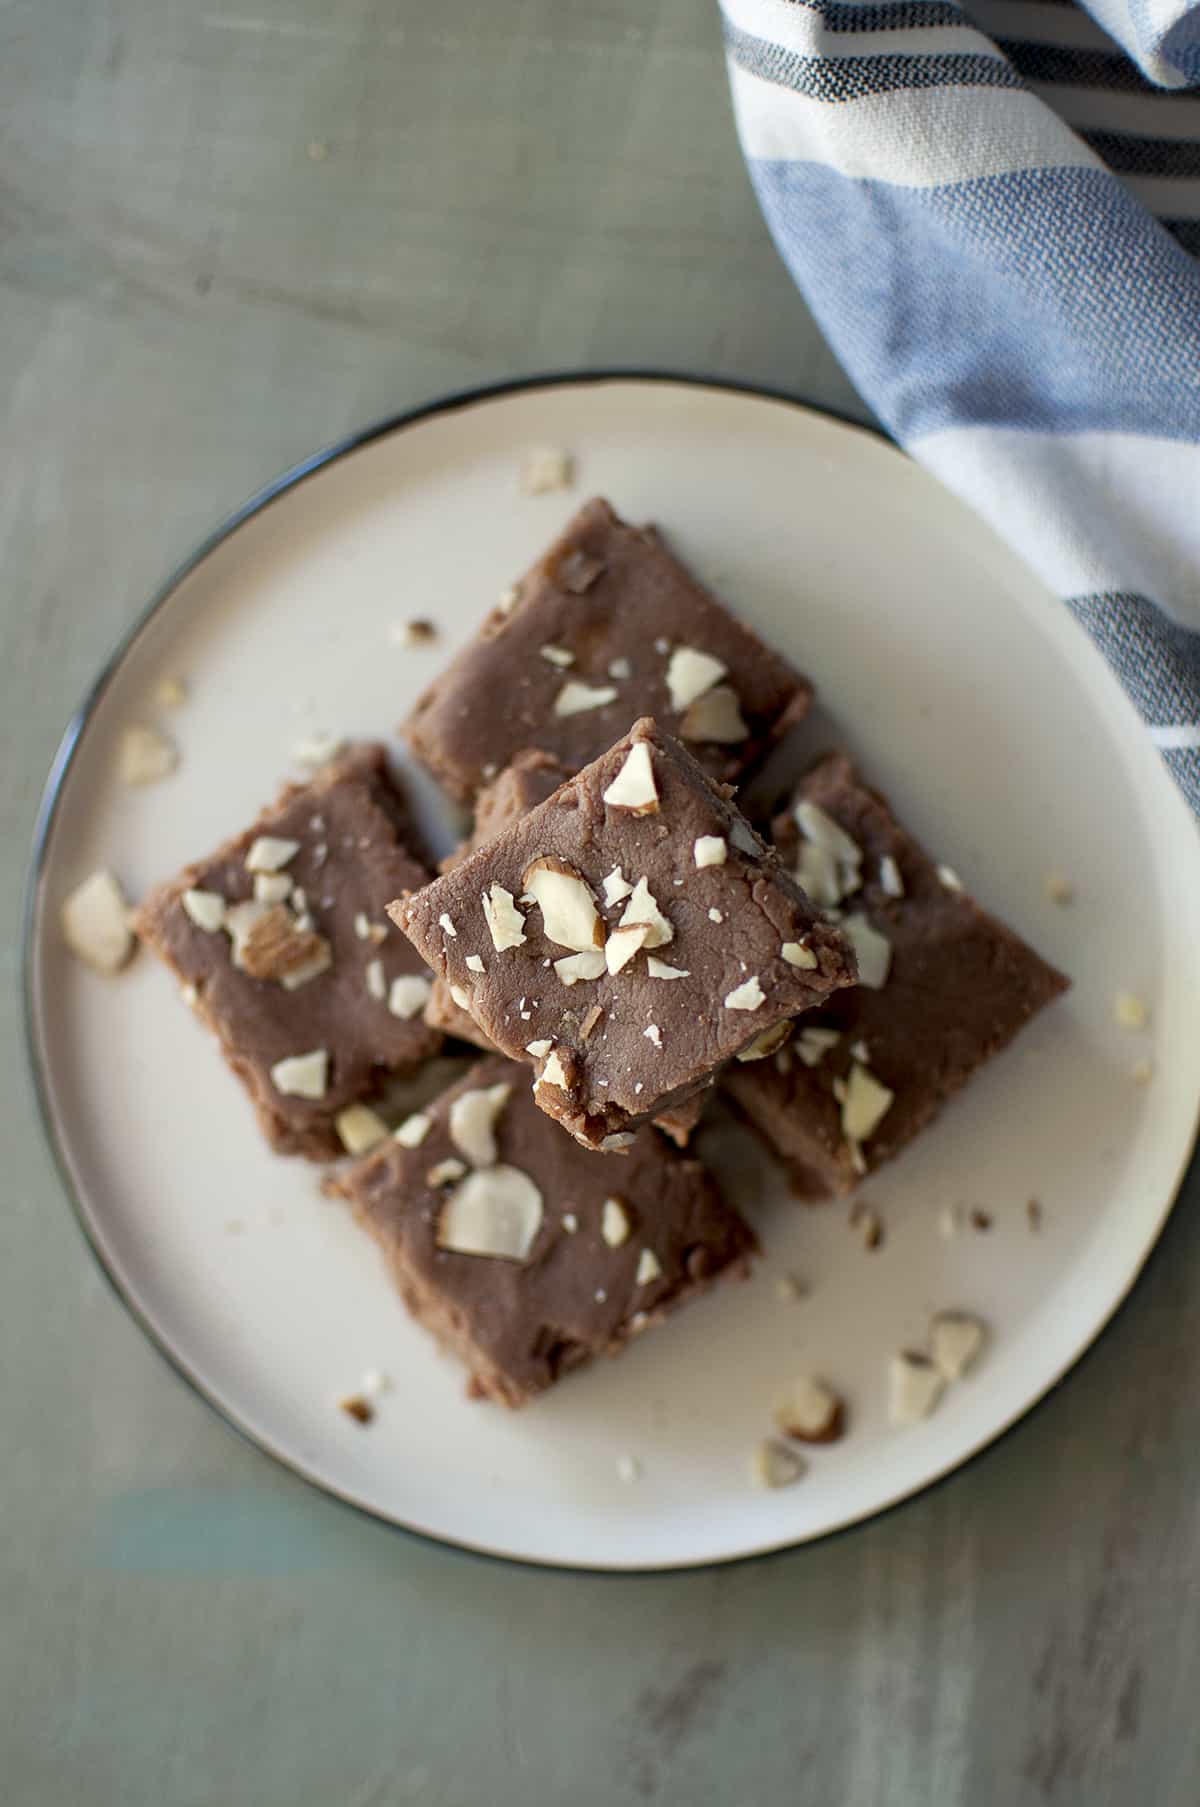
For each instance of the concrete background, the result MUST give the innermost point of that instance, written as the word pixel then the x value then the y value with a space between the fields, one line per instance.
pixel 230 230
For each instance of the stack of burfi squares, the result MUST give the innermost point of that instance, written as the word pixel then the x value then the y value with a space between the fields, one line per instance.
pixel 616 940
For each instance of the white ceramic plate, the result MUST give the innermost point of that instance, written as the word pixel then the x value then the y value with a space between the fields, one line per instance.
pixel 966 691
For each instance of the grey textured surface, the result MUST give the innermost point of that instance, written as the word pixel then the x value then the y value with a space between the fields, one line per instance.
pixel 190 300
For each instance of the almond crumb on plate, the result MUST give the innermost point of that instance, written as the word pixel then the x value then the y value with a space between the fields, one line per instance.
pixel 546 468
pixel 145 756
pixel 358 1408
pixel 914 1387
pixel 955 1341
pixel 417 633
pixel 866 1219
pixel 775 1465
pixel 1130 1011
pixel 811 1412
pixel 170 692
pixel 95 924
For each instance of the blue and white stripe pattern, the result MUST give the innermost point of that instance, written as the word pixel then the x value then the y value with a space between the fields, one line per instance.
pixel 993 213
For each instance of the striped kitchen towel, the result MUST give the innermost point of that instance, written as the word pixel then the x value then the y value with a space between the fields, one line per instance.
pixel 993 213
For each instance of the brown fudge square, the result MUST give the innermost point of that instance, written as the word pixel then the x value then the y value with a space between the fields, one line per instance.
pixel 957 987
pixel 522 1253
pixel 529 780
pixel 631 934
pixel 311 966
pixel 605 628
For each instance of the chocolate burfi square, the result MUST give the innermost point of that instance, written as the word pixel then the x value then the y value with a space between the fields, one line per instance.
pixel 525 1255
pixel 631 935
pixel 605 628
pixel 282 942
pixel 528 781
pixel 943 987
